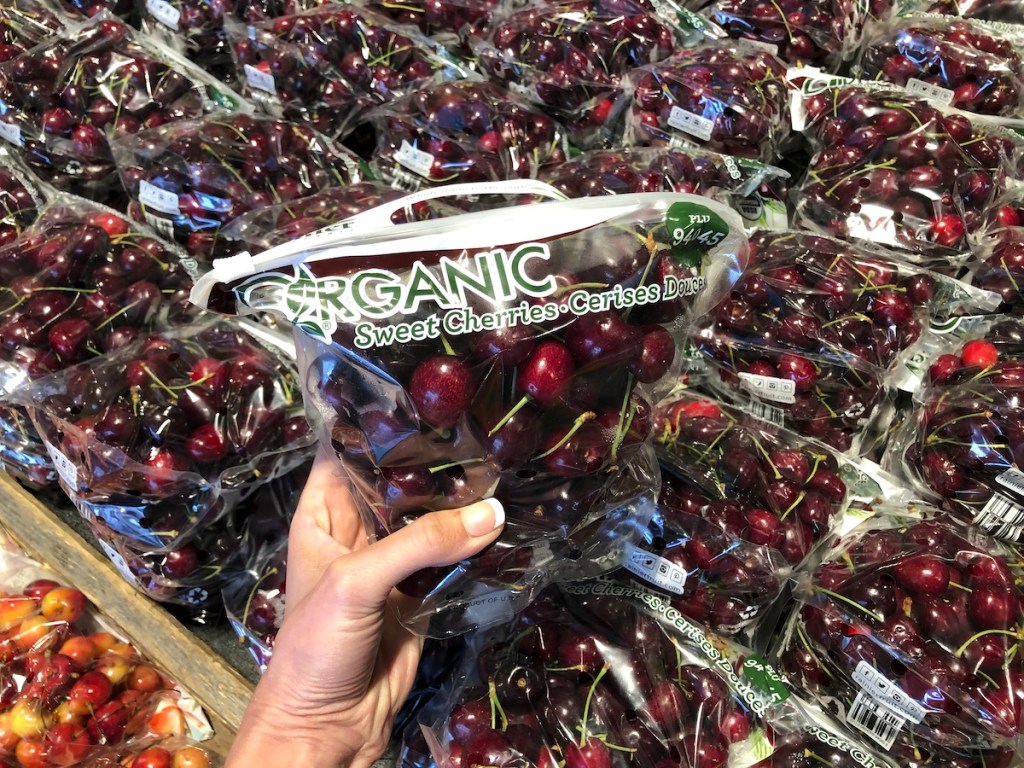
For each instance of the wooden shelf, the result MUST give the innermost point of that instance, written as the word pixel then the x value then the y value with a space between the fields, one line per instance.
pixel 216 685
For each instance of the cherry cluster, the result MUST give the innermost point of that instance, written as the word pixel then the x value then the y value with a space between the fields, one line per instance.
pixel 600 687
pixel 23 25
pixel 1002 253
pixel 19 201
pixel 756 483
pixel 65 690
pixel 462 132
pixel 124 9
pixel 197 176
pixel 255 602
pixel 449 21
pixel 173 753
pixel 570 58
pixel 326 66
pixel 985 10
pixel 712 97
pixel 897 171
pixel 938 616
pixel 69 96
pixel 984 72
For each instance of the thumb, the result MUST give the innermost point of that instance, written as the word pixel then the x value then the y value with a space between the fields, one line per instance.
pixel 435 539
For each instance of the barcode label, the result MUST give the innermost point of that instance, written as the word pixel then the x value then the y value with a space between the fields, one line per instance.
pixel 164 227
pixel 1001 517
pixel 164 12
pixel 871 718
pixel 745 43
pixel 160 199
pixel 887 693
pixel 769 388
pixel 688 122
pixel 66 469
pixel 935 93
pixel 1012 479
pixel 657 570
pixel 767 412
pixel 416 160
pixel 11 133
pixel 260 80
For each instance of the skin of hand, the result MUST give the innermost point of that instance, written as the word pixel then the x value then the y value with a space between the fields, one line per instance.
pixel 343 664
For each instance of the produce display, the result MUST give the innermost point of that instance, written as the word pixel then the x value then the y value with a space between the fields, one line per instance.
pixel 999 256
pixel 23 25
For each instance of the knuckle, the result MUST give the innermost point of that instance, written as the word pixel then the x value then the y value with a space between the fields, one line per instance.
pixel 436 534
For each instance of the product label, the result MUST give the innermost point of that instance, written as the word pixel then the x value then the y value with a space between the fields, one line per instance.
pixel 688 122
pixel 871 718
pixel 525 91
pixel 66 469
pixel 874 223
pixel 769 388
pixel 657 570
pixel 165 227
pixel 756 46
pixel 1001 517
pixel 766 412
pixel 260 80
pixel 164 12
pixel 693 230
pixel 763 676
pixel 1012 479
pixel 416 160
pixel 119 562
pixel 732 167
pixel 935 93
pixel 10 132
pixel 158 199
pixel 887 693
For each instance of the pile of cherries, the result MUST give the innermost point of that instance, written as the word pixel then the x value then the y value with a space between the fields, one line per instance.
pixel 936 615
pixel 602 686
pixel 985 10
pixel 897 171
pixel 984 72
pixel 66 691
pixel 571 56
pixel 712 97
pixel 449 21
pixel 23 25
pixel 215 169
pixel 173 753
pixel 19 202
pixel 328 65
pixel 71 95
pixel 461 132
pixel 1002 269
pixel 123 9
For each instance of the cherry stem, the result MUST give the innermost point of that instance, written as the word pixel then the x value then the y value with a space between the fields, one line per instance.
pixel 586 706
pixel 849 562
pixel 816 756
pixel 582 419
pixel 960 586
pixel 496 707
pixel 117 314
pixel 982 674
pixel 763 452
pixel 962 648
pixel 443 467
pixel 819 459
pixel 447 346
pixel 509 415
pixel 793 506
pixel 807 644
pixel 835 595
pixel 156 380
pixel 252 593
pixel 623 426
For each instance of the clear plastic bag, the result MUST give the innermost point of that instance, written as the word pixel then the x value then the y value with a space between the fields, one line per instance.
pixel 462 132
pixel 756 191
pixel 450 22
pixel 190 179
pixel 711 97
pixel 91 9
pixel 967 65
pixel 1007 11
pixel 24 24
pixel 904 633
pixel 999 253
pixel 538 393
pixel 168 752
pixel 162 437
pixel 569 58
pixel 69 96
pixel 325 67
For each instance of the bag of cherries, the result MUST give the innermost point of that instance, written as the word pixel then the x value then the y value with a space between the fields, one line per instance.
pixel 756 191
pixel 1008 11
pixel 66 98
pixel 998 264
pixel 713 97
pixel 569 58
pixel 188 180
pixel 511 353
pixel 969 65
pixel 171 752
pixel 909 631
pixel 326 66
pixel 450 22
pixel 24 24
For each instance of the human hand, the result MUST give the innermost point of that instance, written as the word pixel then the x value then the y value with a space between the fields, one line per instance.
pixel 343 664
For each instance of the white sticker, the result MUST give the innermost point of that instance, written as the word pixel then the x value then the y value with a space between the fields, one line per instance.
pixel 260 80
pixel 165 227
pixel 935 93
pixel 695 125
pixel 1001 517
pixel 1012 479
pixel 874 223
pixel 887 693
pixel 657 570
pixel 523 90
pixel 161 200
pixel 745 43
pixel 871 718
pixel 663 10
pixel 119 562
pixel 10 132
pixel 164 12
pixel 769 387
pixel 66 469
pixel 416 160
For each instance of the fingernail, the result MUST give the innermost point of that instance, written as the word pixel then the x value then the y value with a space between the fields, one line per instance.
pixel 483 517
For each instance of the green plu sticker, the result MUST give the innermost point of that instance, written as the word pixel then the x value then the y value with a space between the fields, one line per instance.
pixel 693 231
pixel 763 676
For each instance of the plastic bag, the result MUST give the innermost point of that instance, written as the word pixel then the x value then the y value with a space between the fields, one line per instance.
pixel 895 170
pixel 327 66
pixel 569 57
pixel 1008 11
pixel 756 191
pixel 444 399
pixel 711 97
pixel 68 97
pixel 190 179
pixel 999 252
pixel 967 65
pixel 21 197
pixel 24 24
pixel 165 752
pixel 90 9
pixel 462 132
pixel 903 634
pixel 806 293
pixel 83 281
pixel 450 22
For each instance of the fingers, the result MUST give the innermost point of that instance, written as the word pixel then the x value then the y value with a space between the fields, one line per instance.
pixel 364 579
